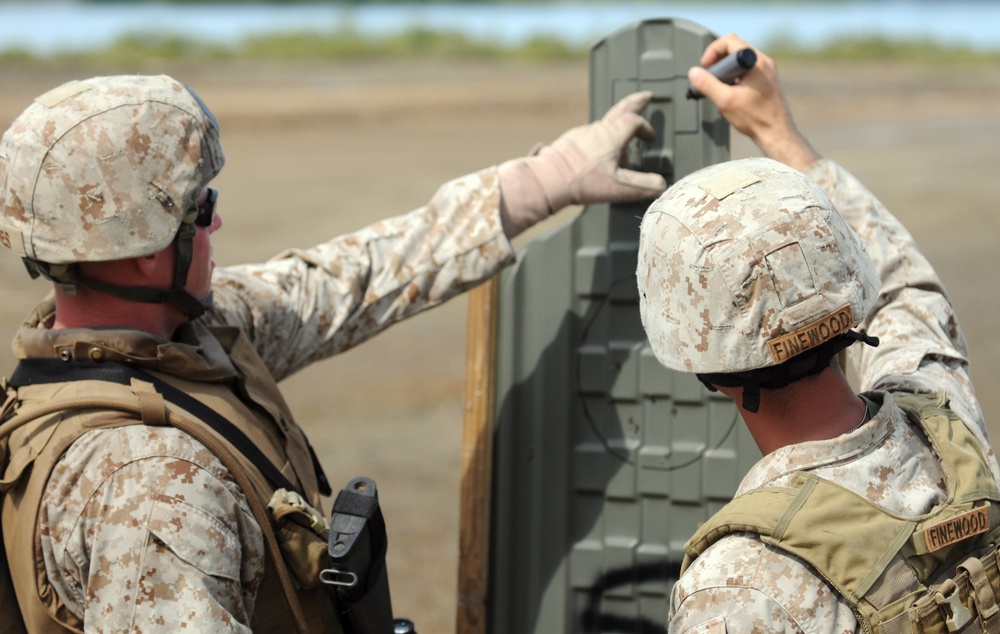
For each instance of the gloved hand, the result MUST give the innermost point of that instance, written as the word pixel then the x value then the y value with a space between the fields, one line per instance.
pixel 580 167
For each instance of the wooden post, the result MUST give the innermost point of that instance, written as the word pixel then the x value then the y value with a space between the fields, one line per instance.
pixel 477 457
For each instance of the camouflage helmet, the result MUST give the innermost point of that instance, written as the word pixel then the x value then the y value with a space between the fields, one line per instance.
pixel 745 265
pixel 105 169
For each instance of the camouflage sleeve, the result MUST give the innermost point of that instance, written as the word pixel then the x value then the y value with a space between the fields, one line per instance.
pixel 922 347
pixel 742 585
pixel 306 305
pixel 143 530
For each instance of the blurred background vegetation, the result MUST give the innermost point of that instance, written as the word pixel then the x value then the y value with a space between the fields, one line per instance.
pixel 346 44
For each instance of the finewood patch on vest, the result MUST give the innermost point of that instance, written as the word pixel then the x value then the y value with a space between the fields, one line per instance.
pixel 955 529
pixel 818 332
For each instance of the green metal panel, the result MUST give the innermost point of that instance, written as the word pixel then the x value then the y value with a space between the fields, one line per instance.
pixel 605 462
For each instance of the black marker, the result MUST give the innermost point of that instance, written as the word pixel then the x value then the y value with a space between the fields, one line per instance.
pixel 728 69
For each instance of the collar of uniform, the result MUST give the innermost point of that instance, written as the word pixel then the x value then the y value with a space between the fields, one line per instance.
pixel 194 353
pixel 823 453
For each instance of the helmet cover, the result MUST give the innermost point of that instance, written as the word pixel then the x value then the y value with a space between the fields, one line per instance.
pixel 105 168
pixel 746 264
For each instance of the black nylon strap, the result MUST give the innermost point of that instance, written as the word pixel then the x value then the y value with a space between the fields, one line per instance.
pixel 183 300
pixel 44 371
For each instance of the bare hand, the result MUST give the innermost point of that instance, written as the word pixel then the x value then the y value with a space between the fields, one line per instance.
pixel 756 105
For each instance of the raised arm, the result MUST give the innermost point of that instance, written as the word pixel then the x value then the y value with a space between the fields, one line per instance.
pixel 922 347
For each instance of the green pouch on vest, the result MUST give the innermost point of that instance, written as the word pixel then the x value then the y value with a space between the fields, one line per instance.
pixel 302 534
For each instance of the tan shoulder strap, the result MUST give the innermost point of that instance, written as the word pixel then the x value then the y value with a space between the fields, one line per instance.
pixel 151 404
pixel 812 520
pixel 759 511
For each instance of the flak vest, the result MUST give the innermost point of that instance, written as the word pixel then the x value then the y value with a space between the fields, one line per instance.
pixel 33 449
pixel 934 573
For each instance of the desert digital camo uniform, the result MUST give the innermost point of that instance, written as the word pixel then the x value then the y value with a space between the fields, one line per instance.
pixel 741 584
pixel 141 528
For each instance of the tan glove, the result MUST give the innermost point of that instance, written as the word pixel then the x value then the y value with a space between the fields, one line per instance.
pixel 580 167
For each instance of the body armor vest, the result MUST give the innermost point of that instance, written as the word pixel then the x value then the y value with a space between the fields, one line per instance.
pixel 30 451
pixel 934 573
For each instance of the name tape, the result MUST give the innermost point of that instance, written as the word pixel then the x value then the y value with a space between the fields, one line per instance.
pixel 955 529
pixel 787 346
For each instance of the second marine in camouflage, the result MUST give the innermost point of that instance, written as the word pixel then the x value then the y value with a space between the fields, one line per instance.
pixel 754 274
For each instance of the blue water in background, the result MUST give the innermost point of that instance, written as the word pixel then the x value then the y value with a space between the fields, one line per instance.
pixel 64 26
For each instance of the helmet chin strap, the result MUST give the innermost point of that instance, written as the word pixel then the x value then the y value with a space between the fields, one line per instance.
pixel 775 377
pixel 188 304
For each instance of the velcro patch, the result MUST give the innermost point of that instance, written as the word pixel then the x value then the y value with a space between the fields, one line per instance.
pixel 818 332
pixel 61 93
pixel 955 529
pixel 12 239
pixel 728 181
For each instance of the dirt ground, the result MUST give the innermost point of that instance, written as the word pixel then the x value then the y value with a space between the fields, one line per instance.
pixel 315 151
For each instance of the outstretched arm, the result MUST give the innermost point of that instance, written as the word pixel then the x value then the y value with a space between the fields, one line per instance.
pixel 308 304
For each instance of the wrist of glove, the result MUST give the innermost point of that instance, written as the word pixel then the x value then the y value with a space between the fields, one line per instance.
pixel 581 167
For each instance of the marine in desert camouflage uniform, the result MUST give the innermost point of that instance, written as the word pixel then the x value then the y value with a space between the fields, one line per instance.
pixel 105 192
pixel 745 265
